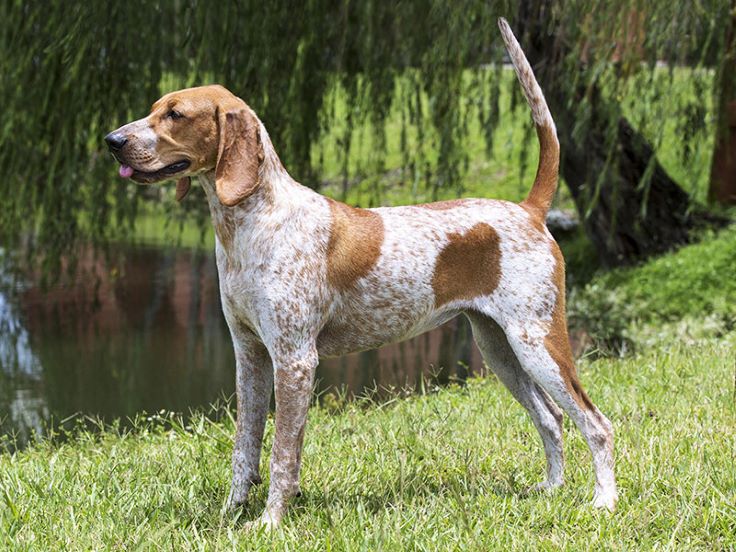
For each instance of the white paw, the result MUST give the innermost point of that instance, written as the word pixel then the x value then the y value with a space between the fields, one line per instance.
pixel 266 522
pixel 605 500
pixel 545 486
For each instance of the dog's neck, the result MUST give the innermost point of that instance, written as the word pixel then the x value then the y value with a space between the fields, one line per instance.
pixel 276 194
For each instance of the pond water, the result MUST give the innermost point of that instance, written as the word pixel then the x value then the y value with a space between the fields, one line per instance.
pixel 145 333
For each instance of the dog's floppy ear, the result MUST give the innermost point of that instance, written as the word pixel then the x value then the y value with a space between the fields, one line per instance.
pixel 239 152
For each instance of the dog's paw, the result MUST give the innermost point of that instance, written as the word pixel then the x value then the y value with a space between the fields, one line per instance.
pixel 266 523
pixel 236 500
pixel 545 486
pixel 605 500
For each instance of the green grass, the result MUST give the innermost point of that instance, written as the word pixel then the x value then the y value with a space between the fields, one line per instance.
pixel 445 470
pixel 693 280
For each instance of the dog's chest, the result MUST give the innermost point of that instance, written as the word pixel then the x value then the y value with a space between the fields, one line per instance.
pixel 274 283
pixel 238 294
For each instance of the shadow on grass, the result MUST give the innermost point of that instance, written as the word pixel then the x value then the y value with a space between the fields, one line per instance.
pixel 460 489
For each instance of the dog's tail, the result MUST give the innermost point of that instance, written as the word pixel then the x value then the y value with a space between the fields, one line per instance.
pixel 545 184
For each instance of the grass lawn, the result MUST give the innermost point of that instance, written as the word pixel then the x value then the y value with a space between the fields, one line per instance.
pixel 444 470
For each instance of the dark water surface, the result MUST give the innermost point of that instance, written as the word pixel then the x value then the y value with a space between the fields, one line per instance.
pixel 148 334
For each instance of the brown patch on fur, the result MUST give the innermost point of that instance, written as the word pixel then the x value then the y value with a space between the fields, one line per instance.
pixel 468 266
pixel 355 243
pixel 557 341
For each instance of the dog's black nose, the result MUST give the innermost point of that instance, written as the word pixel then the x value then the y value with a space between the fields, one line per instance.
pixel 115 141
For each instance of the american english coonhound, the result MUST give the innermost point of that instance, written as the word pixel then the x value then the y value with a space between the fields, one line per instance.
pixel 303 276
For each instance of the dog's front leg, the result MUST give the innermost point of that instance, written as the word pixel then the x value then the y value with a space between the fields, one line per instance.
pixel 294 378
pixel 253 382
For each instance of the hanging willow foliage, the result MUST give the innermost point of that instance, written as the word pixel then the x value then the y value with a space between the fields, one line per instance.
pixel 73 70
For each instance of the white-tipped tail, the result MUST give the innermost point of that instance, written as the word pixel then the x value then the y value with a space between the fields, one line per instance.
pixel 542 192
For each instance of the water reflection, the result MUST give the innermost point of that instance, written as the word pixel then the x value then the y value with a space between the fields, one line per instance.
pixel 22 408
pixel 148 334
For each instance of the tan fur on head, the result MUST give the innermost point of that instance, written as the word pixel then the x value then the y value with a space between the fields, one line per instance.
pixel 207 127
pixel 193 136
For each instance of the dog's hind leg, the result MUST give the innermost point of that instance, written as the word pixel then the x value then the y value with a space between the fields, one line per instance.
pixel 545 414
pixel 543 350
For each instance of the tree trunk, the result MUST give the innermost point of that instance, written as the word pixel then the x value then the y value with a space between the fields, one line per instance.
pixel 723 170
pixel 630 207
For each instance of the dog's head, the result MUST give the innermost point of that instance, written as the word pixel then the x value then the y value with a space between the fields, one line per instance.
pixel 190 132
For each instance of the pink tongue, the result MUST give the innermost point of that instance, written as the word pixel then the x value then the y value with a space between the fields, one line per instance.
pixel 126 171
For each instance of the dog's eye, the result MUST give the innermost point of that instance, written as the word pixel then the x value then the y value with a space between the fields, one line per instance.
pixel 173 114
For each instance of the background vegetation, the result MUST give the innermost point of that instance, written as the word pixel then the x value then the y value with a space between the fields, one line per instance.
pixel 316 71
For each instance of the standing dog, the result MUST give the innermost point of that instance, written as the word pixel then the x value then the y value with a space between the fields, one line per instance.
pixel 303 276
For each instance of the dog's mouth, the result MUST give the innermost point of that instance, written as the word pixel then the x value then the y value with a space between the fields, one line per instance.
pixel 143 177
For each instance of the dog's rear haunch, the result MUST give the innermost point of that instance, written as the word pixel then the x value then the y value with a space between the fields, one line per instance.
pixel 303 276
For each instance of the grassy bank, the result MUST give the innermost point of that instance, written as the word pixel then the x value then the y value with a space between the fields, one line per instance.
pixel 445 470
pixel 686 295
